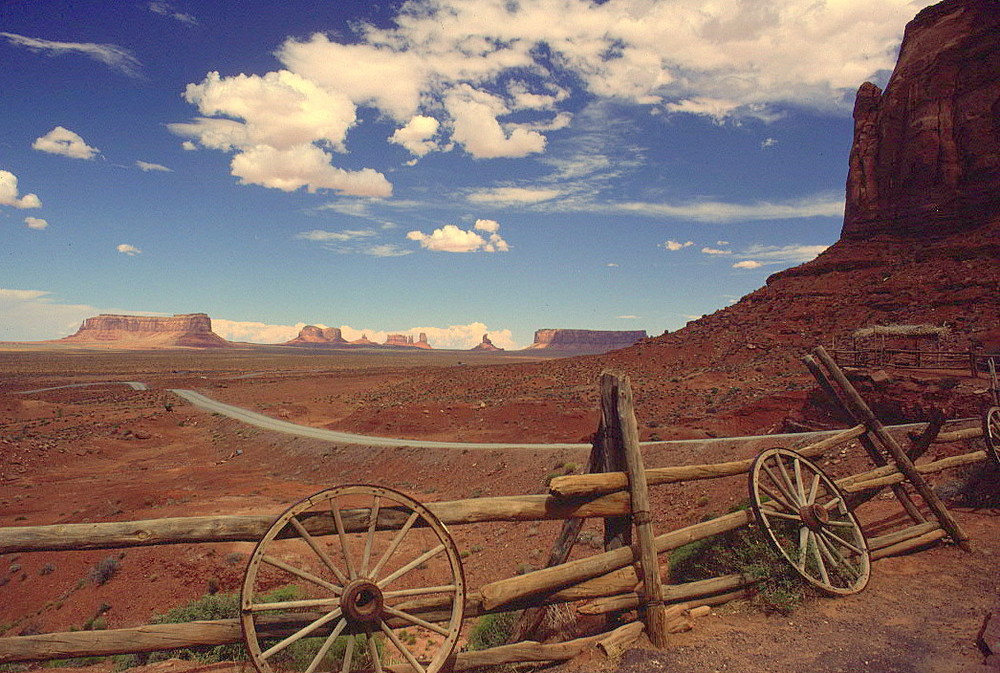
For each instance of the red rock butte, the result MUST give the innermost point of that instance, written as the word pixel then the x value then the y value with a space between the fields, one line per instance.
pixel 584 341
pixel 187 330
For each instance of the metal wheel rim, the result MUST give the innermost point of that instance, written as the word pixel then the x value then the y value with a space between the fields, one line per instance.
pixel 991 433
pixel 364 556
pixel 807 521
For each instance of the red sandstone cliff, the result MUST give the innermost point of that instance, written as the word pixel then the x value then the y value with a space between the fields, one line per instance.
pixel 192 330
pixel 583 341
pixel 310 335
pixel 485 345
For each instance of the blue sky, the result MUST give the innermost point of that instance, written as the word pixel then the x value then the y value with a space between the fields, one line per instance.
pixel 451 166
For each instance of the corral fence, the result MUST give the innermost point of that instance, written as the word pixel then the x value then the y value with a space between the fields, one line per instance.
pixel 825 544
pixel 977 364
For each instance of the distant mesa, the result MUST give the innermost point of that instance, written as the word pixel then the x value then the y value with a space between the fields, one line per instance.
pixel 485 345
pixel 406 341
pixel 310 335
pixel 363 341
pixel 585 341
pixel 187 330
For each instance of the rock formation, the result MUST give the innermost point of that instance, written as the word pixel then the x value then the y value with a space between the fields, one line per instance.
pixel 191 330
pixel 363 341
pixel 310 335
pixel 485 345
pixel 926 153
pixel 584 341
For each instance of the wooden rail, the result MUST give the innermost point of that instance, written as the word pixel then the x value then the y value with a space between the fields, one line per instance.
pixel 610 577
pixel 970 361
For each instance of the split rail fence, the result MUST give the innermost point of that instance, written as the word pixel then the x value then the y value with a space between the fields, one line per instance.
pixel 626 576
pixel 976 364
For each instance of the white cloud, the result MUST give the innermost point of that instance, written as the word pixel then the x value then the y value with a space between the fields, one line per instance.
pixel 768 142
pixel 722 242
pixel 782 254
pixel 450 238
pixel 35 223
pixel 127 249
pixel 613 265
pixel 146 167
pixel 338 236
pixel 475 126
pixel 417 136
pixel 719 212
pixel 167 9
pixel 512 196
pixel 110 55
pixel 716 251
pixel 386 250
pixel 304 166
pixel 747 264
pixel 674 246
pixel 66 143
pixel 35 315
pixel 8 193
pixel 255 332
pixel 627 317
pixel 188 146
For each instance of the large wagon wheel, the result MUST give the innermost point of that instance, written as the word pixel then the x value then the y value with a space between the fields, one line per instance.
pixel 991 433
pixel 353 578
pixel 807 520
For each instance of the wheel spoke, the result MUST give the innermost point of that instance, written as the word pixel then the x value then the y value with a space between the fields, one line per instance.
pixel 323 556
pixel 781 515
pixel 836 558
pixel 842 542
pixel 385 581
pixel 373 652
pixel 421 591
pixel 291 605
pixel 416 621
pixel 803 547
pixel 800 488
pixel 402 648
pixel 813 489
pixel 301 633
pixel 373 521
pixel 788 480
pixel 345 666
pixel 841 524
pixel 775 497
pixel 819 561
pixel 395 543
pixel 338 519
pixel 833 503
pixel 327 644
pixel 299 572
pixel 782 487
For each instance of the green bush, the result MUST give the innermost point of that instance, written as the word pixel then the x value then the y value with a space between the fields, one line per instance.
pixel 778 588
pixel 492 630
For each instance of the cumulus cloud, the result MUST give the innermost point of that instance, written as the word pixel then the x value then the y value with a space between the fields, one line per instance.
pixel 278 126
pixel 34 315
pixel 475 126
pixel 450 238
pixel 782 254
pixel 110 55
pixel 35 223
pixel 127 249
pixel 417 136
pixel 674 246
pixel 146 167
pixel 66 143
pixel 747 264
pixel 8 193
pixel 168 10
pixel 715 251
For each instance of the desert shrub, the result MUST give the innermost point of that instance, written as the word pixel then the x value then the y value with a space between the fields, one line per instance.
pixel 777 589
pixel 104 570
pixel 492 630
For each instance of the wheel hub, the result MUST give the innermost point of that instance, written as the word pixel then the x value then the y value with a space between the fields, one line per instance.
pixel 362 601
pixel 814 517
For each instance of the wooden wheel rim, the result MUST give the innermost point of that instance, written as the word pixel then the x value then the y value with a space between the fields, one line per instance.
pixel 991 433
pixel 365 581
pixel 826 548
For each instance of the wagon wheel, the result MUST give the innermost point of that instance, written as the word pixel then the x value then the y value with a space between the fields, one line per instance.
pixel 991 433
pixel 807 520
pixel 355 577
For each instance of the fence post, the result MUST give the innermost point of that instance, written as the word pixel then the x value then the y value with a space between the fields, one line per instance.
pixel 652 608
pixel 611 458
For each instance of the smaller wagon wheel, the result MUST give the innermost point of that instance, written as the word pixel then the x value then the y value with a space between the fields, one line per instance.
pixel 807 520
pixel 355 577
pixel 991 433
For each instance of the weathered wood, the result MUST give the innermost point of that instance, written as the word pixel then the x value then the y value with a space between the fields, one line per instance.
pixel 512 589
pixel 611 450
pixel 651 607
pixel 890 539
pixel 183 530
pixel 959 435
pixel 702 592
pixel 889 475
pixel 620 640
pixel 843 401
pixel 909 545
pixel 581 485
pixel 903 462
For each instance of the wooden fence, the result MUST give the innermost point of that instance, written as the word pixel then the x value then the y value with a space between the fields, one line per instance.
pixel 624 576
pixel 974 363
